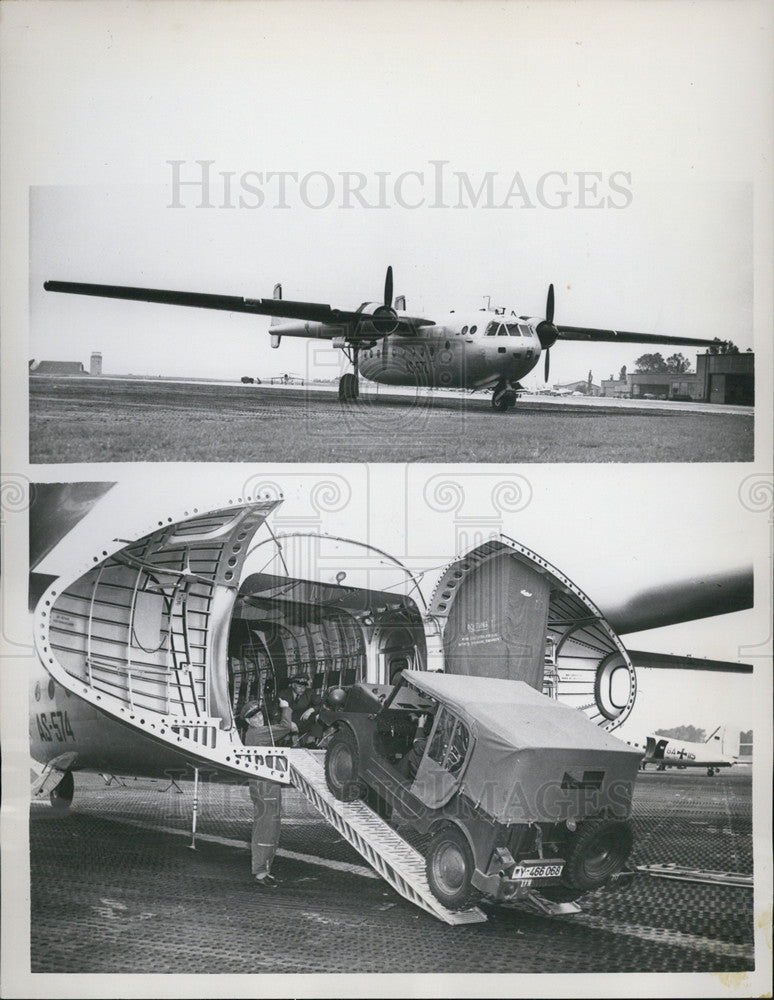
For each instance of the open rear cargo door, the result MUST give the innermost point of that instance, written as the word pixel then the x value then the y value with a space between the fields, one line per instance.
pixel 503 611
pixel 141 636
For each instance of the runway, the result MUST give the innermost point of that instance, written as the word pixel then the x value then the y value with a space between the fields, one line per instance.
pixel 117 889
pixel 124 419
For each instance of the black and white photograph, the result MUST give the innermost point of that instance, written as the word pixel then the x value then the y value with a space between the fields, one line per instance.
pixel 439 372
pixel 387 500
pixel 455 711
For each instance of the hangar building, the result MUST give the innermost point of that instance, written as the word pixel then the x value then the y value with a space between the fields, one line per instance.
pixel 719 378
pixel 57 368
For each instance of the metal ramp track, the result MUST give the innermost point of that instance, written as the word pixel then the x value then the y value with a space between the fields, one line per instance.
pixel 384 849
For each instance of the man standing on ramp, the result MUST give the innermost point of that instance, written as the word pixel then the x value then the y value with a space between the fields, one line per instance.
pixel 266 728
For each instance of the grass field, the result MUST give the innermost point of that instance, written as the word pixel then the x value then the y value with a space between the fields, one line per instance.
pixel 130 421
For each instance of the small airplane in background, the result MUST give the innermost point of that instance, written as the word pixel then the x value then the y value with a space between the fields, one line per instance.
pixel 664 752
pixel 487 349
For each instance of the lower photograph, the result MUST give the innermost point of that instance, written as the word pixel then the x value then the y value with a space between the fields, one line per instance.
pixel 404 721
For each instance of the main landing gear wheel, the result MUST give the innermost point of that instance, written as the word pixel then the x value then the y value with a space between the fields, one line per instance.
pixel 504 400
pixel 348 388
pixel 62 795
pixel 341 767
pixel 449 869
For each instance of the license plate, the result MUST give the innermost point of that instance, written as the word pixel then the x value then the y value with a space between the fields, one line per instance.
pixel 537 871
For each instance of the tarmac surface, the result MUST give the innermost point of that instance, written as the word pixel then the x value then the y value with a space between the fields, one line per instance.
pixel 116 888
pixel 90 419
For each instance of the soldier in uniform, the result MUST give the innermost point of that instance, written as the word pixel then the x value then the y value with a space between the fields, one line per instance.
pixel 304 703
pixel 265 728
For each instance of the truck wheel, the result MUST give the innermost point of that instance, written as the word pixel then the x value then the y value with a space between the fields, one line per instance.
pixel 450 868
pixel 341 767
pixel 62 795
pixel 599 850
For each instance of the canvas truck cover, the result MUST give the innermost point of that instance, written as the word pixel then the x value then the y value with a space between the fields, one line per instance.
pixel 533 759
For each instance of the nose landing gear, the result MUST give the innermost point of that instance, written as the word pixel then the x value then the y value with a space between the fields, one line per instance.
pixel 504 396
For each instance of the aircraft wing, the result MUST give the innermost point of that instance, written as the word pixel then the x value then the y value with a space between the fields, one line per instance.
pixel 668 661
pixel 55 509
pixel 684 601
pixel 312 312
pixel 623 337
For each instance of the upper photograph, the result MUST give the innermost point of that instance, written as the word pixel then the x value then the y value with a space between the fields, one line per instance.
pixel 480 262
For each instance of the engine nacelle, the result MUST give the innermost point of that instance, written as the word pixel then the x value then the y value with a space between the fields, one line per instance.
pixel 379 318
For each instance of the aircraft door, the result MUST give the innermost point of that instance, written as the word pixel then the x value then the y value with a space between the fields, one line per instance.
pixel 497 615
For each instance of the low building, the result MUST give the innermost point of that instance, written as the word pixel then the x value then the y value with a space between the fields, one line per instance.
pixel 663 385
pixel 719 378
pixel 727 378
pixel 57 368
pixel 615 387
pixel 582 385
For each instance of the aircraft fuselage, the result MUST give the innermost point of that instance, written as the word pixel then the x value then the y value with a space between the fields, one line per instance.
pixel 470 351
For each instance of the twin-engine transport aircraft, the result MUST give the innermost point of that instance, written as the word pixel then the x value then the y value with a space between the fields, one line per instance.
pixel 664 752
pixel 480 350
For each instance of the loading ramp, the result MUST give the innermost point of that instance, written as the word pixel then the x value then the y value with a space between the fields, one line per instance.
pixel 382 847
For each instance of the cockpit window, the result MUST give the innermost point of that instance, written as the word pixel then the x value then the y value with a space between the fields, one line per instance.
pixel 491 330
pixel 502 332
pixel 514 329
pixel 526 331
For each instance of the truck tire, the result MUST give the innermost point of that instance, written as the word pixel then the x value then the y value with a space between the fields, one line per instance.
pixel 449 867
pixel 341 767
pixel 599 850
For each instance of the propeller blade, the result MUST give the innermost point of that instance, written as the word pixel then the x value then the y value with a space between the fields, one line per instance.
pixel 548 357
pixel 388 288
pixel 546 331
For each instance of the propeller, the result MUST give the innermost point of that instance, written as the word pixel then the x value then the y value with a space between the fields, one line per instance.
pixel 546 331
pixel 384 317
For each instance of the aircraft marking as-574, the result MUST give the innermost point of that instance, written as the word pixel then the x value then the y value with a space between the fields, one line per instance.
pixel 486 349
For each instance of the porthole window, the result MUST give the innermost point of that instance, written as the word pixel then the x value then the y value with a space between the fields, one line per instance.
pixel 473 329
pixel 464 330
pixel 51 688
pixel 447 345
pixel 37 691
